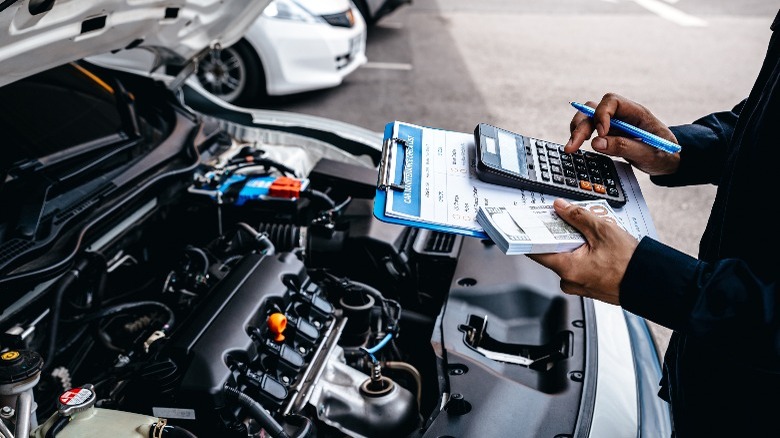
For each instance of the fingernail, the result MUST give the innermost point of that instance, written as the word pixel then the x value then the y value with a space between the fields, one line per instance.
pixel 561 203
pixel 599 143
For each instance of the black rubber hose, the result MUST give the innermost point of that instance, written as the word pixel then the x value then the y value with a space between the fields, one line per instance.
pixel 63 284
pixel 100 287
pixel 257 412
pixel 58 425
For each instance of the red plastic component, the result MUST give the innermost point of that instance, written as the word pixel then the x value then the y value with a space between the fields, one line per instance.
pixel 285 187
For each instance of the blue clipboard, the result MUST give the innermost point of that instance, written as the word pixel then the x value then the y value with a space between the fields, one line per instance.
pixel 395 149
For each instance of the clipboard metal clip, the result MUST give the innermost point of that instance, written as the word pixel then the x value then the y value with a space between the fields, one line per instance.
pixel 385 178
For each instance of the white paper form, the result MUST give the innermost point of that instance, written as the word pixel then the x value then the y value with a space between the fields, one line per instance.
pixel 442 187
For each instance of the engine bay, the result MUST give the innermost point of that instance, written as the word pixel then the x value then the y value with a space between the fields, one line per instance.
pixel 230 293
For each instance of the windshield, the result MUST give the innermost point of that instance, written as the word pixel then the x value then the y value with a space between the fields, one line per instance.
pixel 68 132
pixel 46 114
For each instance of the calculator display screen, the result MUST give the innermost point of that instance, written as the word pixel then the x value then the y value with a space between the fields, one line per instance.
pixel 505 150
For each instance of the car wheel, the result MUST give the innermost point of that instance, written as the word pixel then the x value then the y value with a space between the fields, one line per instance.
pixel 233 74
pixel 363 8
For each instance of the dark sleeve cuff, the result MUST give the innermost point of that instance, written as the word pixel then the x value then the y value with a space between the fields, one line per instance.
pixel 655 283
pixel 704 149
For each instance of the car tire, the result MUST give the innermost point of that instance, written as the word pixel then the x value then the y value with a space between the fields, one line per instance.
pixel 363 8
pixel 233 74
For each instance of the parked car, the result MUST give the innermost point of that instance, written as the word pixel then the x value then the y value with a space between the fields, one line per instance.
pixel 294 46
pixel 172 265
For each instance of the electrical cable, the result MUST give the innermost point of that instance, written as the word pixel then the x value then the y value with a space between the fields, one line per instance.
pixel 119 308
pixel 257 412
pixel 202 255
pixel 381 344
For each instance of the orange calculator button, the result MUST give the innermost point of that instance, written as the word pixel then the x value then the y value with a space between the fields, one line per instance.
pixel 586 185
pixel 598 188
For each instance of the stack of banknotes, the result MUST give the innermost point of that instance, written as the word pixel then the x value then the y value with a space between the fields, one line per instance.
pixel 536 228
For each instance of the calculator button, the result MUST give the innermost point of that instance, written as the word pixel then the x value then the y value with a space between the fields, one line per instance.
pixel 571 182
pixel 583 176
pixel 555 162
pixel 609 182
pixel 586 185
pixel 596 180
pixel 544 167
pixel 557 179
pixel 567 165
pixel 569 173
pixel 552 148
pixel 545 175
pixel 542 159
pixel 553 154
pixel 556 169
pixel 598 188
pixel 579 160
pixel 612 191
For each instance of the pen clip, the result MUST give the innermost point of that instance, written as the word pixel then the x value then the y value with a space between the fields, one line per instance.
pixel 385 180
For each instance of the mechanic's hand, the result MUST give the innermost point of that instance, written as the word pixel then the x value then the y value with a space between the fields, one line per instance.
pixel 595 269
pixel 613 142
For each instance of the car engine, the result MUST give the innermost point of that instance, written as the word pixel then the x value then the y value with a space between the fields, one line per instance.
pixel 227 290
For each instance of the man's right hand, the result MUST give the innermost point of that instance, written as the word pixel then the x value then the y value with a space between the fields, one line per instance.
pixel 614 142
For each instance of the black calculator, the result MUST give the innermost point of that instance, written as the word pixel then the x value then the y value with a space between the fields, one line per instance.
pixel 514 160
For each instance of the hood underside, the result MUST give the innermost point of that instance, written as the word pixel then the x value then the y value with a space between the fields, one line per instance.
pixel 40 34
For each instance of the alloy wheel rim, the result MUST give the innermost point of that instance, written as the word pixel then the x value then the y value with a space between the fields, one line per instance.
pixel 223 73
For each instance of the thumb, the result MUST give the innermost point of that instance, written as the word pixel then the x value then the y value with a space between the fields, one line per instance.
pixel 578 217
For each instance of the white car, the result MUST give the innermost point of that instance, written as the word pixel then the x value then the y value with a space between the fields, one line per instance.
pixel 294 46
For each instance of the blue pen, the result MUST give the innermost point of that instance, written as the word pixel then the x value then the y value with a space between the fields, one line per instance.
pixel 646 137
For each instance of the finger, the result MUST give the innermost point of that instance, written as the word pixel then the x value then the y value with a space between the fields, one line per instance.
pixel 581 128
pixel 634 151
pixel 571 288
pixel 553 261
pixel 578 217
pixel 617 106
pixel 604 112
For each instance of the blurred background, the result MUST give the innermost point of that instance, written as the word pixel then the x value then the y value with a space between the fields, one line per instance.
pixel 516 64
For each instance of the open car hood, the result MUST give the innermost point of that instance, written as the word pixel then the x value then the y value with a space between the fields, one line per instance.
pixel 39 34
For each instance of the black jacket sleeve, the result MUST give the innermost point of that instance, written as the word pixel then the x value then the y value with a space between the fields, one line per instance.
pixel 704 149
pixel 721 303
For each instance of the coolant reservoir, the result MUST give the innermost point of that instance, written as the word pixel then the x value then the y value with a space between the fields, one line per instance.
pixel 77 417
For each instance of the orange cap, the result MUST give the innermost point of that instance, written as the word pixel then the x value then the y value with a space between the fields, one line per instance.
pixel 277 323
